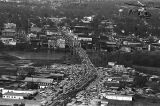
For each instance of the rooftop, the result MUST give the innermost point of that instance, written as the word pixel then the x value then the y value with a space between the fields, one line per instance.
pixel 19 89
pixel 35 29
pixel 16 94
pixel 42 80
pixel 5 102
pixel 9 30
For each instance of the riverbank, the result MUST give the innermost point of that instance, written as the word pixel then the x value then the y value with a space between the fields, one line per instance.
pixel 10 60
pixel 147 70
pixel 139 58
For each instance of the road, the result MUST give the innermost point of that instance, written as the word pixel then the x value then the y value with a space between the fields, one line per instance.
pixel 85 82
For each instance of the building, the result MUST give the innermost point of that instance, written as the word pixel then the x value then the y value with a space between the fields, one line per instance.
pixel 42 82
pixel 112 83
pixel 118 97
pixel 81 29
pixel 125 49
pixel 10 26
pixel 8 33
pixel 88 19
pixel 61 43
pixel 19 102
pixel 8 41
pixel 132 44
pixel 13 1
pixel 111 64
pixel 119 68
pixel 52 44
pixel 32 36
pixel 9 30
pixel 18 91
pixel 51 32
pixel 84 38
pixel 35 29
pixel 11 95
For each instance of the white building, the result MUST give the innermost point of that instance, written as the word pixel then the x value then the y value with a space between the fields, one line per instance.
pixel 19 91
pixel 111 64
pixel 118 97
pixel 84 38
pixel 51 32
pixel 8 41
pixel 19 102
pixel 10 25
pixel 11 95
pixel 61 43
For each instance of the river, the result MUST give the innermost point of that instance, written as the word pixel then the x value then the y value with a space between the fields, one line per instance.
pixel 10 60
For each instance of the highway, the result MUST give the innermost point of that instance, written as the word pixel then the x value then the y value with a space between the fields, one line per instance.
pixel 89 78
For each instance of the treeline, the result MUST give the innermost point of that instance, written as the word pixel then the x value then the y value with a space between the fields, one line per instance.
pixel 149 59
pixel 109 9
pixel 148 70
pixel 21 13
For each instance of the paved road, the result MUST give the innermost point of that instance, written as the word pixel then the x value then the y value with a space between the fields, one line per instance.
pixel 87 80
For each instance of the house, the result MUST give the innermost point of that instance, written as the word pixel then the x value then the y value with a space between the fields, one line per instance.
pixel 154 78
pixel 81 29
pixel 61 43
pixel 11 95
pixel 88 19
pixel 131 43
pixel 10 26
pixel 35 29
pixel 13 1
pixel 32 35
pixel 119 68
pixel 9 30
pixel 52 43
pixel 51 32
pixel 8 33
pixel 125 49
pixel 84 38
pixel 42 82
pixel 8 41
pixel 111 64
pixel 112 84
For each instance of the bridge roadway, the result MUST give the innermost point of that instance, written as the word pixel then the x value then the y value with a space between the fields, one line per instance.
pixel 88 79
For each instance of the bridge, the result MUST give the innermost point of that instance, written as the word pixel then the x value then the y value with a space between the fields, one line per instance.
pixel 90 74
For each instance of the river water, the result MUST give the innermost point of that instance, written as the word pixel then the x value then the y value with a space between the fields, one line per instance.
pixel 48 55
pixel 10 60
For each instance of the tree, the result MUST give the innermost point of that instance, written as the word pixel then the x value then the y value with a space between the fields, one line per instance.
pixel 32 85
pixel 140 81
